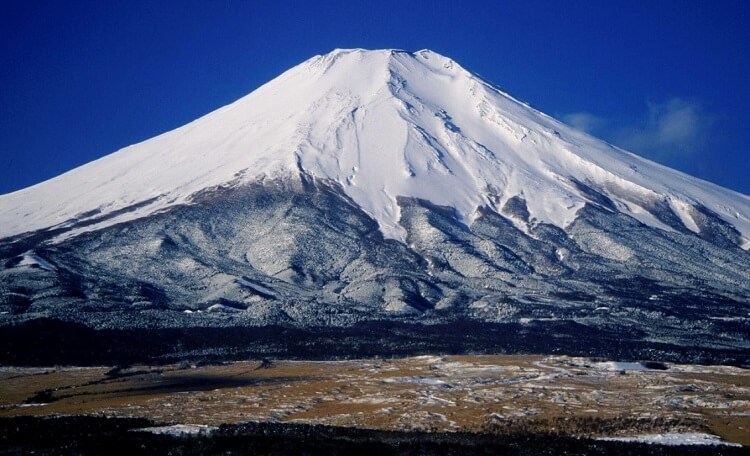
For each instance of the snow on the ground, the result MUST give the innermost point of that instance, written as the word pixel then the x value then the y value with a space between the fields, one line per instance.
pixel 674 439
pixel 180 429
pixel 620 366
pixel 382 124
pixel 415 379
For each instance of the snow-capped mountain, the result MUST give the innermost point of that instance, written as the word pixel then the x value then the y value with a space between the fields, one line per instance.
pixel 380 184
pixel 382 124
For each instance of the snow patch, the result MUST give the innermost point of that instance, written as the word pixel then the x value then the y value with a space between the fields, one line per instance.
pixel 674 439
pixel 415 380
pixel 31 259
pixel 683 211
pixel 258 288
pixel 179 429
pixel 221 308
pixel 620 366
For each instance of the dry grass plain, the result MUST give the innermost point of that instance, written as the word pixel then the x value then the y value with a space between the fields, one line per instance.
pixel 498 394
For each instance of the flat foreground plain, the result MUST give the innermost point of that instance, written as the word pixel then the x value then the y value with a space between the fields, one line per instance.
pixel 503 395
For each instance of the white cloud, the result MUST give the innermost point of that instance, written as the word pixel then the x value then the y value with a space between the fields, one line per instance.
pixel 674 128
pixel 584 121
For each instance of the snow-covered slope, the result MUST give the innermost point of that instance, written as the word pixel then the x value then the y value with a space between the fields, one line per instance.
pixel 383 124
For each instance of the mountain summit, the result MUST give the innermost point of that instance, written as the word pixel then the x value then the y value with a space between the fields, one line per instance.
pixel 388 186
pixel 382 124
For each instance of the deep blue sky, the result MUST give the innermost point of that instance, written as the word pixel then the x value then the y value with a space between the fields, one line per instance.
pixel 81 79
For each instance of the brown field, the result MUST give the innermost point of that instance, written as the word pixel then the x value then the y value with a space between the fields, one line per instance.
pixel 498 394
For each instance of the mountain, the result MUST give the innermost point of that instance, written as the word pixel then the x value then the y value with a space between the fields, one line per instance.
pixel 380 186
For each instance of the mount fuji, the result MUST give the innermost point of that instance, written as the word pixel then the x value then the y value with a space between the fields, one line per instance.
pixel 381 186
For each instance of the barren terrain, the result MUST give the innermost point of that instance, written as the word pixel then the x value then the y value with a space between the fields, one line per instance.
pixel 485 394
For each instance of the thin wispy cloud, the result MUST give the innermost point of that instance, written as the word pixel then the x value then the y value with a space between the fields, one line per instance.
pixel 667 130
pixel 585 121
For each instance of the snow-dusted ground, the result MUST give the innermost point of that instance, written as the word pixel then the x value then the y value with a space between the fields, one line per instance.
pixel 382 124
pixel 675 439
pixel 180 429
pixel 499 394
pixel 620 366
